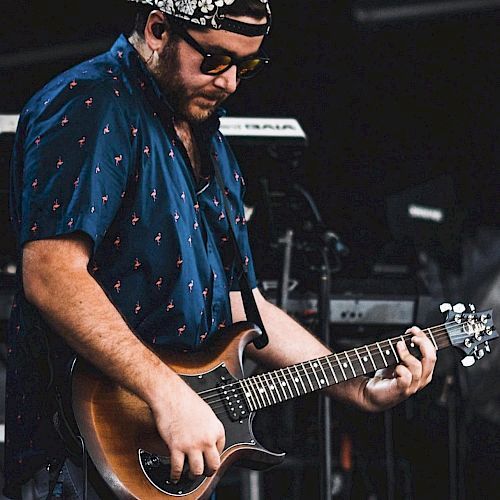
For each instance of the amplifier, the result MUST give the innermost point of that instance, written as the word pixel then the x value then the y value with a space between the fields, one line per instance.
pixel 362 310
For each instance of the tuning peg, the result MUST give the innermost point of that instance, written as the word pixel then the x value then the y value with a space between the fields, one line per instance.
pixel 487 347
pixel 459 308
pixel 472 308
pixel 468 361
pixel 445 307
pixel 479 353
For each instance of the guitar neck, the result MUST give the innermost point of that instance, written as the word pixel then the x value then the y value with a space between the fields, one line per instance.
pixel 267 389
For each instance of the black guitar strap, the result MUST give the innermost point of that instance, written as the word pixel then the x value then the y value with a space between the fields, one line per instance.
pixel 251 309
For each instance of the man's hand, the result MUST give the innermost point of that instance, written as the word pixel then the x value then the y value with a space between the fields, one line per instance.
pixel 191 430
pixel 392 385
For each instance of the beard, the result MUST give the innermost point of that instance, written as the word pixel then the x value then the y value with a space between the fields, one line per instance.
pixel 193 106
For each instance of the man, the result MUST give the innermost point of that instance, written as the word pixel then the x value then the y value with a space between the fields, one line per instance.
pixel 124 237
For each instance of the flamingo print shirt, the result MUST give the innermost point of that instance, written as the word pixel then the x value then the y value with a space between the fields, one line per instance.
pixel 96 152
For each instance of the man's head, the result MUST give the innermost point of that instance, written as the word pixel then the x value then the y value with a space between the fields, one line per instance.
pixel 199 50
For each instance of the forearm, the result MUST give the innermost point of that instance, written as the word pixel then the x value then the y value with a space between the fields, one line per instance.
pixel 77 308
pixel 291 343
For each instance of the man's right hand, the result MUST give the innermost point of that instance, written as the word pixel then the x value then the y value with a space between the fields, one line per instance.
pixel 190 429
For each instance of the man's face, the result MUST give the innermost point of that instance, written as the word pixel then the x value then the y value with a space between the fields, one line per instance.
pixel 194 95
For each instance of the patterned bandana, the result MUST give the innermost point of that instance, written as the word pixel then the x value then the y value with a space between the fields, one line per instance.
pixel 210 14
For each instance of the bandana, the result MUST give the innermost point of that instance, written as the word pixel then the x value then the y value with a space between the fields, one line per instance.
pixel 210 14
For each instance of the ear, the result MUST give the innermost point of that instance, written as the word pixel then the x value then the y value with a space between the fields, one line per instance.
pixel 155 38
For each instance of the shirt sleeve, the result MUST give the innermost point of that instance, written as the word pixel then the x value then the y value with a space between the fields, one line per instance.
pixel 77 159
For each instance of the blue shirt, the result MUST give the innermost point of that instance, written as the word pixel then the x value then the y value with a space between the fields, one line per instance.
pixel 96 151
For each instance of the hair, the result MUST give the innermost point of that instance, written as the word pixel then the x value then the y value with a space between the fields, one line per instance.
pixel 251 8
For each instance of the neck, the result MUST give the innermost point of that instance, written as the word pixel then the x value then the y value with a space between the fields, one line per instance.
pixel 185 134
pixel 141 47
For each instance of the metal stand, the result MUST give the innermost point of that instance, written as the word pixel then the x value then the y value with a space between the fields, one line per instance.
pixel 251 485
pixel 325 401
pixel 251 481
pixel 389 455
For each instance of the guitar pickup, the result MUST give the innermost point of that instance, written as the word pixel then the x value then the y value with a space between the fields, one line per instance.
pixel 234 401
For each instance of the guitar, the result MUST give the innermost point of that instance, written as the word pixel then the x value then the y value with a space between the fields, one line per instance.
pixel 128 453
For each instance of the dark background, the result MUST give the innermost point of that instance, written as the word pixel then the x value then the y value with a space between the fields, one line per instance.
pixel 387 105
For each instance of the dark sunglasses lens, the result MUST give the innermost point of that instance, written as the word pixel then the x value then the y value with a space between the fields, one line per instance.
pixel 250 68
pixel 215 64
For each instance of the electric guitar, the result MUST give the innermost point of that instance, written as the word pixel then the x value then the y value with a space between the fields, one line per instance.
pixel 121 438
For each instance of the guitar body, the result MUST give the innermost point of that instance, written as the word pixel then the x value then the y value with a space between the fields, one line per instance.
pixel 120 434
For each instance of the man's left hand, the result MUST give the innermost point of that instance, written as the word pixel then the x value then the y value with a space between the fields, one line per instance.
pixel 392 385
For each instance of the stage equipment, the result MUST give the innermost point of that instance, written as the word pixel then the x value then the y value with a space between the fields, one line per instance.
pixel 8 124
pixel 263 131
pixel 430 216
pixel 377 11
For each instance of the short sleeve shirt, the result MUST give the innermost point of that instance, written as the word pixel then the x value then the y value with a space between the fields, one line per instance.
pixel 96 151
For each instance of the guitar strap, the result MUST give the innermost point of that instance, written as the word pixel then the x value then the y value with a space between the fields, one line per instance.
pixel 251 309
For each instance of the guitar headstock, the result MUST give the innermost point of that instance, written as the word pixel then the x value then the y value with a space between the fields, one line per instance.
pixel 469 330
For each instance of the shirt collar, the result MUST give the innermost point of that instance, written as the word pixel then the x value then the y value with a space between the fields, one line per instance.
pixel 132 63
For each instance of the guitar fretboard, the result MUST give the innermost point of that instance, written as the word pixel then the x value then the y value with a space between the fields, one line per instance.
pixel 274 387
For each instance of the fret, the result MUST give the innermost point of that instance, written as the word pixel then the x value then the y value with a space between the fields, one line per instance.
pixel 340 365
pixel 281 384
pixel 389 353
pixel 331 369
pixel 256 394
pixel 307 375
pixel 327 382
pixel 414 350
pixel 393 351
pixel 432 338
pixel 354 363
pixel 381 354
pixel 277 384
pixel 315 374
pixel 262 390
pixel 249 394
pixel 293 380
pixel 246 395
pixel 254 384
pixel 350 364
pixel 371 358
pixel 270 386
pixel 285 378
pixel 300 379
pixel 360 361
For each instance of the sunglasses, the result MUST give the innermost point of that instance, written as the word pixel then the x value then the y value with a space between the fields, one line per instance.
pixel 216 64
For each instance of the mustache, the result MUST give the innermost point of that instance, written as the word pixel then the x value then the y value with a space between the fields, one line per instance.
pixel 218 96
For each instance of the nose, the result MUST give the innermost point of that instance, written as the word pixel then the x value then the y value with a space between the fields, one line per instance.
pixel 228 80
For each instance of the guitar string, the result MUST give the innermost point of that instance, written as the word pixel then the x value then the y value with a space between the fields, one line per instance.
pixel 251 380
pixel 258 387
pixel 438 335
pixel 301 371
